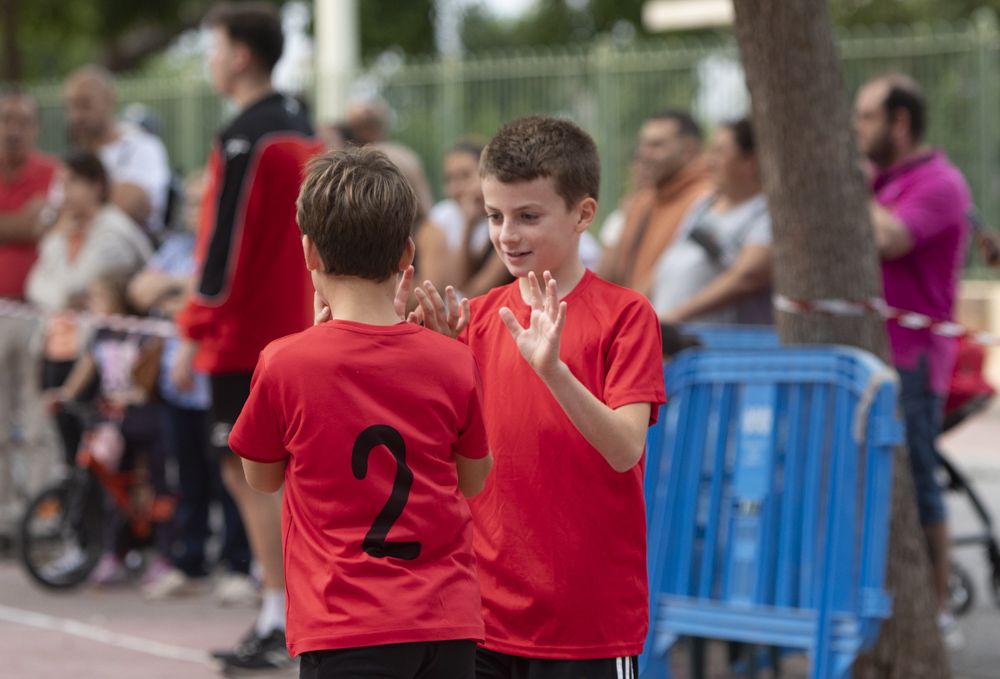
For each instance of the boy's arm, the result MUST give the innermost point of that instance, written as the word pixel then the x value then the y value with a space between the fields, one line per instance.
pixel 472 473
pixel 265 477
pixel 258 435
pixel 618 434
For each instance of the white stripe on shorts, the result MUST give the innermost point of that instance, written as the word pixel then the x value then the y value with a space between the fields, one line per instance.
pixel 618 664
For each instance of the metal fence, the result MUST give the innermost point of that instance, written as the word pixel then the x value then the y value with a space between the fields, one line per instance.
pixel 609 89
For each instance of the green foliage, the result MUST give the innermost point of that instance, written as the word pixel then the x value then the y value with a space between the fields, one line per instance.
pixel 54 36
pixel 391 24
pixel 551 22
pixel 850 13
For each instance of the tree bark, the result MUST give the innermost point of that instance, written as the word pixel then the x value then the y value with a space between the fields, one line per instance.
pixel 824 248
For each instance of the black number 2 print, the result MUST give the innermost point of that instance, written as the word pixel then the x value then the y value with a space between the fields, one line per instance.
pixel 375 542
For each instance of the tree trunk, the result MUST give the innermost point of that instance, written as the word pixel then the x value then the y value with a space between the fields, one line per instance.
pixel 11 71
pixel 824 248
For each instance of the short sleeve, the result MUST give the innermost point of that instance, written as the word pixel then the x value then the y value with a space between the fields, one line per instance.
pixel 929 209
pixel 472 442
pixel 760 233
pixel 148 168
pixel 634 363
pixel 258 435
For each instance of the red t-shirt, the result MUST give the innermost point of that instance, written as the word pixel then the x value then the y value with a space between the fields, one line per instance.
pixel 339 401
pixel 32 181
pixel 560 536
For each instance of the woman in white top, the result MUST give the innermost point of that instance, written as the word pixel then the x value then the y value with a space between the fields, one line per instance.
pixel 92 239
pixel 718 268
pixel 462 217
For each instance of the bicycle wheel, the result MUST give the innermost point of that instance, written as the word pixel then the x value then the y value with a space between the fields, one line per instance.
pixel 61 534
pixel 961 590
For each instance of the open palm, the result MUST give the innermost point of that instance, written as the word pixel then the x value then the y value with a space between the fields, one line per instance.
pixel 539 342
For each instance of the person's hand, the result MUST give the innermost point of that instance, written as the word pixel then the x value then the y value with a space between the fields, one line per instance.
pixel 182 371
pixel 473 208
pixel 988 243
pixel 53 399
pixel 403 291
pixel 321 310
pixel 539 342
pixel 670 318
pixel 432 313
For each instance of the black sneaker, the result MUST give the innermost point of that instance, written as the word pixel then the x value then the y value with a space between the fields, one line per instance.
pixel 245 641
pixel 256 653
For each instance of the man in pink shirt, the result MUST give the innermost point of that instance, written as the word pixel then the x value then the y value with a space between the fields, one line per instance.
pixel 918 210
pixel 25 178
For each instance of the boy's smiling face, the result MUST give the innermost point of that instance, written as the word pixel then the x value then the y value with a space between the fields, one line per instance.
pixel 532 229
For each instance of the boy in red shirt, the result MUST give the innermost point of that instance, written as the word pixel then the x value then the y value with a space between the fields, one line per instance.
pixel 572 377
pixel 375 428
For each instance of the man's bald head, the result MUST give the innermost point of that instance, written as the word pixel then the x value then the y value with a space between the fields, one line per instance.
pixel 91 100
pixel 368 120
pixel 890 117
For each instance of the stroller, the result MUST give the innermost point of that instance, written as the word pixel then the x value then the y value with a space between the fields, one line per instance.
pixel 968 395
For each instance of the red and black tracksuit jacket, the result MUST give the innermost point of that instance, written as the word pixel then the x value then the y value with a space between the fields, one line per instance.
pixel 253 286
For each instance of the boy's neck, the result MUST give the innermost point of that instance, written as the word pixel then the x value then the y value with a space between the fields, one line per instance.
pixel 359 300
pixel 567 278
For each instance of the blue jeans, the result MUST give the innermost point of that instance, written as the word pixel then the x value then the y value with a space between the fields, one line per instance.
pixel 923 411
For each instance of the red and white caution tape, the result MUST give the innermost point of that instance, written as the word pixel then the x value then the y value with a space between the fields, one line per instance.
pixel 876 305
pixel 137 325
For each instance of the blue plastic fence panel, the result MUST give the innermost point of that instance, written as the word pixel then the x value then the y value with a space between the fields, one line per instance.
pixel 769 502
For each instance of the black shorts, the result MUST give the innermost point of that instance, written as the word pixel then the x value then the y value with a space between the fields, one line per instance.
pixel 229 392
pixel 424 660
pixel 493 665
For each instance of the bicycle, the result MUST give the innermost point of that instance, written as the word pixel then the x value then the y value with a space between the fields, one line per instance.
pixel 62 532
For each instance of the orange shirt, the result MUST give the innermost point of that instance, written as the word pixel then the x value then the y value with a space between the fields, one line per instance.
pixel 651 222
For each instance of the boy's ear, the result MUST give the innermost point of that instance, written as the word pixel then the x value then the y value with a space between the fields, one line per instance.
pixel 313 260
pixel 588 211
pixel 409 252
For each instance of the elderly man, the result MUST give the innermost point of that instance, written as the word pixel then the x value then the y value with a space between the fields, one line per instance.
pixel 918 209
pixel 135 160
pixel 26 178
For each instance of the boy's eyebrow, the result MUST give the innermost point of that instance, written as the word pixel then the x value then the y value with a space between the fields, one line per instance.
pixel 523 206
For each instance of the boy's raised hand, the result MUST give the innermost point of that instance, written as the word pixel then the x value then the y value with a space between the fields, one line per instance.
pixel 539 342
pixel 321 310
pixel 403 291
pixel 433 314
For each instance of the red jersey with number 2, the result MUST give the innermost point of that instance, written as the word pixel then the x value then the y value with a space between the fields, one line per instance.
pixel 377 537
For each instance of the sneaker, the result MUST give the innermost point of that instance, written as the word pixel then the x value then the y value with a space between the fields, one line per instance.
pixel 110 571
pixel 72 559
pixel 247 639
pixel 170 584
pixel 256 653
pixel 236 589
pixel 156 569
pixel 951 632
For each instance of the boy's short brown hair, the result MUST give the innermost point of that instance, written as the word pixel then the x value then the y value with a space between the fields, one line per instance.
pixel 543 146
pixel 358 209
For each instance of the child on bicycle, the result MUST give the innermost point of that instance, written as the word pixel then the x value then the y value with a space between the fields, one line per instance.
pixel 127 436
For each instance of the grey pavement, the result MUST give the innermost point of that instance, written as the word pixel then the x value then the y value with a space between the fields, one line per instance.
pixel 112 634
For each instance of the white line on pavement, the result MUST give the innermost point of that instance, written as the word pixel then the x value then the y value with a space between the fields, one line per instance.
pixel 81 629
